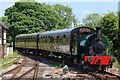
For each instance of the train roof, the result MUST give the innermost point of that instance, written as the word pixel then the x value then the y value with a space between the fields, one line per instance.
pixel 25 35
pixel 57 32
pixel 63 31
pixel 70 30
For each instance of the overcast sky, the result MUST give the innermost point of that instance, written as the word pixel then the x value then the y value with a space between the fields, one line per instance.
pixel 80 7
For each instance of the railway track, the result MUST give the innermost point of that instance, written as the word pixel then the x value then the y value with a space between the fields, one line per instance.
pixel 80 72
pixel 26 69
pixel 40 68
pixel 104 75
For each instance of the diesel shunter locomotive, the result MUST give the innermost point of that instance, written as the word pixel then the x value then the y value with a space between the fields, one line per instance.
pixel 83 46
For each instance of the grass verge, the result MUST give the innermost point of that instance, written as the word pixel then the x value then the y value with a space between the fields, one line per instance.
pixel 116 64
pixel 10 57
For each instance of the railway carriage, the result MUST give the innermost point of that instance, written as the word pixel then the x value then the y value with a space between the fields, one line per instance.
pixel 83 46
pixel 26 42
pixel 55 41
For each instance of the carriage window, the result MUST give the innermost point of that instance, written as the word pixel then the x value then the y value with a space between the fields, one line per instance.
pixel 61 39
pixel 51 39
pixel 21 39
pixel 64 36
pixel 57 39
pixel 18 39
pixel 64 39
pixel 27 39
pixel 41 38
pixel 46 39
pixel 67 39
pixel 33 39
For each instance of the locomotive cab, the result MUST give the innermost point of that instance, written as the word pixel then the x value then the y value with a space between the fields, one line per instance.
pixel 78 41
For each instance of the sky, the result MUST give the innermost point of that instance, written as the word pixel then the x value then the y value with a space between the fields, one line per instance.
pixel 80 8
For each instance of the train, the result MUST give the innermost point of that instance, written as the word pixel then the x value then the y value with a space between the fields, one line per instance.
pixel 83 46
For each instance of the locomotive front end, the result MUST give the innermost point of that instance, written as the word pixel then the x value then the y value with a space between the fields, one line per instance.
pixel 97 52
pixel 99 60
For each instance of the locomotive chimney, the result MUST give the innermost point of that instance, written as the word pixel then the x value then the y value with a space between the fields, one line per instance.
pixel 98 31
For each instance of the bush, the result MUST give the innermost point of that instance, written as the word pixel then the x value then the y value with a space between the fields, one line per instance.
pixel 117 52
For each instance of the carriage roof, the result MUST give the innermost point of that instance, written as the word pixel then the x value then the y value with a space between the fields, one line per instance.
pixel 64 31
pixel 26 35
pixel 56 32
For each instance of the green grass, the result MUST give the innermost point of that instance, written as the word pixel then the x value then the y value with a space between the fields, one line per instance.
pixel 116 64
pixel 10 57
pixel 6 66
pixel 8 44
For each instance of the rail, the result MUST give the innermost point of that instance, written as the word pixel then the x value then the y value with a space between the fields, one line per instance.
pixel 17 70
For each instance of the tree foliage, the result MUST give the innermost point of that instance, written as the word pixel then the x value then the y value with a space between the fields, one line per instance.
pixel 31 17
pixel 109 22
pixel 92 20
pixel 26 0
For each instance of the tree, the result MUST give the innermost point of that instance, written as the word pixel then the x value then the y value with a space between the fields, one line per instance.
pixel 4 18
pixel 92 20
pixel 32 17
pixel 109 22
pixel 65 14
pixel 26 0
